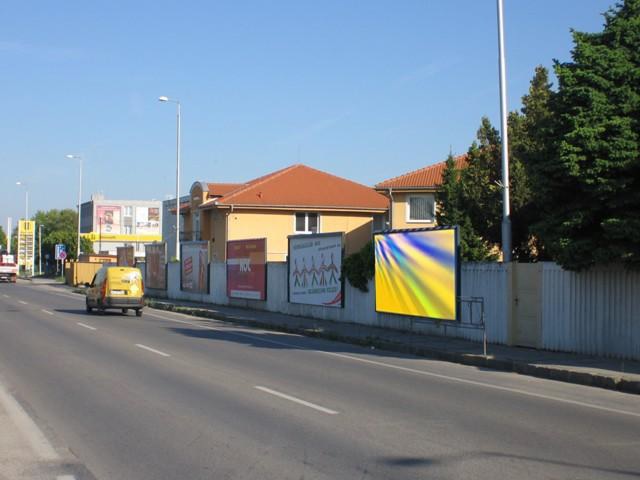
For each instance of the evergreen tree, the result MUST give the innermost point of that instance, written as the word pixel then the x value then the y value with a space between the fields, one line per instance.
pixel 591 202
pixel 3 240
pixel 451 212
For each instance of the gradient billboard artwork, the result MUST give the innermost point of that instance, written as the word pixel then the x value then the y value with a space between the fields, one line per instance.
pixel 194 257
pixel 108 219
pixel 247 269
pixel 156 265
pixel 417 272
pixel 314 264
pixel 147 220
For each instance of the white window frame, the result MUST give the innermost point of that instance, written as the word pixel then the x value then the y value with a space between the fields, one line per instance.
pixel 408 218
pixel 306 223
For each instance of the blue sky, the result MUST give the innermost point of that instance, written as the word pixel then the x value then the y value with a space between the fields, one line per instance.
pixel 364 90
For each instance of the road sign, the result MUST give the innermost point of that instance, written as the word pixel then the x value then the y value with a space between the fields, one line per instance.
pixel 61 251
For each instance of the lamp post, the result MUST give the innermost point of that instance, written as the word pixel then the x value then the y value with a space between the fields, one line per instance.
pixel 40 249
pixel 506 213
pixel 78 157
pixel 26 198
pixel 177 102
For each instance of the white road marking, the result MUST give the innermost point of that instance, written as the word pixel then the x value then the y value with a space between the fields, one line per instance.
pixel 296 400
pixel 47 311
pixel 27 426
pixel 415 371
pixel 65 477
pixel 5 295
pixel 87 326
pixel 23 302
pixel 144 347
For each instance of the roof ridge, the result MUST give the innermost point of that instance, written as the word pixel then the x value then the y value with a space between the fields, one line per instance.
pixel 259 181
pixel 421 169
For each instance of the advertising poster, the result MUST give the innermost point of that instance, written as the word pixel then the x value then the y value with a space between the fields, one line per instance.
pixel 125 256
pixel 315 263
pixel 246 269
pixel 156 265
pixel 417 272
pixel 147 220
pixel 26 239
pixel 108 219
pixel 194 257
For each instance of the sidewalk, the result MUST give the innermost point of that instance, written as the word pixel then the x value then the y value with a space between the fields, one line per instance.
pixel 614 374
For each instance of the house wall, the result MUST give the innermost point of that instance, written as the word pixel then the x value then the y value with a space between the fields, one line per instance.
pixel 399 211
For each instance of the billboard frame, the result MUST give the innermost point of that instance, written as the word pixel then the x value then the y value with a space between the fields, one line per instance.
pixel 146 264
pixel 226 255
pixel 342 253
pixel 457 269
pixel 208 290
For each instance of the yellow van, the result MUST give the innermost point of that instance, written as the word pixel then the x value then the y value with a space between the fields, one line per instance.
pixel 116 288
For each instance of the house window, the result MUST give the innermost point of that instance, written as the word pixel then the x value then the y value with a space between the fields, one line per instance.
pixel 307 223
pixel 420 208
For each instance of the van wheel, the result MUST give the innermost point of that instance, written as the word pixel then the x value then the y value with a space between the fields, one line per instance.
pixel 125 310
pixel 138 312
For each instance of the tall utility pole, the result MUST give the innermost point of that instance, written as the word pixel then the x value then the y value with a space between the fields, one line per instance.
pixel 40 249
pixel 9 221
pixel 177 102
pixel 506 210
pixel 78 157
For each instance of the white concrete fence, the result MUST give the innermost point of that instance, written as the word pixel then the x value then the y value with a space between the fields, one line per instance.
pixel 594 312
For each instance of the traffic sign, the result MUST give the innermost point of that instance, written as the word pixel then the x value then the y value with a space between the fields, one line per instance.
pixel 63 255
pixel 61 251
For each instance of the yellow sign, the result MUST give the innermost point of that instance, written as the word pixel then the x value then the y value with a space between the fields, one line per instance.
pixel 112 237
pixel 26 242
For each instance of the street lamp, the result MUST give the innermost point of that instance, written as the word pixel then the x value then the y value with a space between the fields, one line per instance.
pixel 177 102
pixel 78 157
pixel 40 249
pixel 26 198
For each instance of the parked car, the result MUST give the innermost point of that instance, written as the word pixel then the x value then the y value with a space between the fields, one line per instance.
pixel 119 288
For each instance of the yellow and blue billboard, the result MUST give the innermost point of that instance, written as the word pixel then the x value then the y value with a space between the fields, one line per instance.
pixel 417 272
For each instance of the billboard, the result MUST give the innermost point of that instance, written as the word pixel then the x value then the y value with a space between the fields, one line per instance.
pixel 108 219
pixel 417 272
pixel 314 266
pixel 147 220
pixel 247 268
pixel 125 256
pixel 156 265
pixel 26 243
pixel 194 271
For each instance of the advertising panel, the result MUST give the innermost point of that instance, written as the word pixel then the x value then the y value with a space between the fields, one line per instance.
pixel 26 239
pixel 315 263
pixel 147 220
pixel 417 272
pixel 156 265
pixel 125 256
pixel 194 257
pixel 108 219
pixel 247 269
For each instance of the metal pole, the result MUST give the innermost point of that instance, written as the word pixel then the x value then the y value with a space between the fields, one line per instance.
pixel 26 203
pixel 506 214
pixel 40 249
pixel 178 185
pixel 79 199
pixel 9 221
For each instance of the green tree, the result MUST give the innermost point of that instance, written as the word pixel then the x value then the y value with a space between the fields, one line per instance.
pixel 3 239
pixel 451 211
pixel 60 226
pixel 591 202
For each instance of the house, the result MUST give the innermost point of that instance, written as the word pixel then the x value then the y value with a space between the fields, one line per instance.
pixel 295 200
pixel 110 224
pixel 412 195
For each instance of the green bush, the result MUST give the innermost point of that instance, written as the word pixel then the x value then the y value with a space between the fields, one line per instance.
pixel 359 267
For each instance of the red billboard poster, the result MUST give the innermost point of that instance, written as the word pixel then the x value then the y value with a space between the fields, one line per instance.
pixel 247 269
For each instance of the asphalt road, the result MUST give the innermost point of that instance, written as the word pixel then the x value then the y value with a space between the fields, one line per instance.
pixel 168 396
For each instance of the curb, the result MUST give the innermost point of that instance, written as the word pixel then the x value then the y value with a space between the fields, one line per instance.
pixel 568 376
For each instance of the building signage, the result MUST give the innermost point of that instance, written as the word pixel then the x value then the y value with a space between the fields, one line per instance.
pixel 417 272
pixel 26 243
pixel 194 257
pixel 314 266
pixel 247 269
pixel 156 265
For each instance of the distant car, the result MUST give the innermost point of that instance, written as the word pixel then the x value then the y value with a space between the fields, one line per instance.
pixel 116 288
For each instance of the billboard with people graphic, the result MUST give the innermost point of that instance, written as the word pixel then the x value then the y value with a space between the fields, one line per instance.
pixel 315 263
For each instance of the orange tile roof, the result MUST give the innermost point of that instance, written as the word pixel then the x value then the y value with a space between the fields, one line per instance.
pixel 303 186
pixel 430 176
pixel 219 189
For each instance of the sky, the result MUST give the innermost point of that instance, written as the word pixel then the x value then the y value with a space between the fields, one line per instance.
pixel 365 90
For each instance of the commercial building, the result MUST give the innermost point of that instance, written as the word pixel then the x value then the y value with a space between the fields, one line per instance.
pixel 110 224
